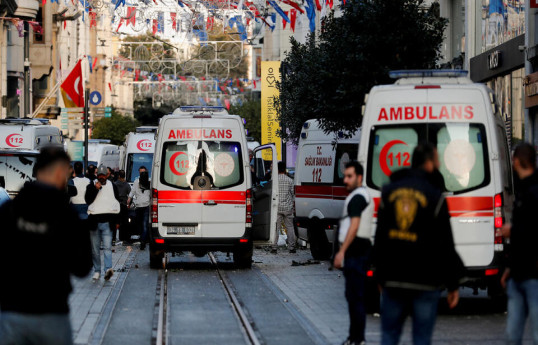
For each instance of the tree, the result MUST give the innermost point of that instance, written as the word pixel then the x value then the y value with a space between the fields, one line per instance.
pixel 114 128
pixel 251 111
pixel 327 78
pixel 149 116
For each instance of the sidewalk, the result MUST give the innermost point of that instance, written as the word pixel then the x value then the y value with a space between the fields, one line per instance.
pixel 317 292
pixel 89 298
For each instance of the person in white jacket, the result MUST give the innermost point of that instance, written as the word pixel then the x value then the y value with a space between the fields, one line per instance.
pixel 104 207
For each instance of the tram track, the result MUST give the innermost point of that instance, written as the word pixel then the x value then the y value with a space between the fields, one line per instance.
pixel 161 314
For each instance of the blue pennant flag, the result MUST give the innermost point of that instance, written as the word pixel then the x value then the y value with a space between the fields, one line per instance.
pixel 279 10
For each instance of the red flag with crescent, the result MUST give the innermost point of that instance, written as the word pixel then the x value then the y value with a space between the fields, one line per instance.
pixel 73 87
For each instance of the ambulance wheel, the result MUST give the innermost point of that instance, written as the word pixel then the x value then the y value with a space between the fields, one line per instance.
pixel 319 245
pixel 243 257
pixel 155 258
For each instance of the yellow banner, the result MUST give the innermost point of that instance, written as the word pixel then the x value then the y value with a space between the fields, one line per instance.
pixel 270 125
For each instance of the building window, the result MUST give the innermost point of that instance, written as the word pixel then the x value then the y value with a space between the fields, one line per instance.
pixel 39 37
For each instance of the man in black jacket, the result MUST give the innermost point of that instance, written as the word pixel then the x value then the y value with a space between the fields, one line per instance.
pixel 414 255
pixel 42 244
pixel 521 276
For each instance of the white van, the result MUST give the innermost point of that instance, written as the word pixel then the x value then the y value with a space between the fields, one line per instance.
pixel 319 184
pixel 20 142
pixel 100 151
pixel 203 196
pixel 462 119
pixel 138 151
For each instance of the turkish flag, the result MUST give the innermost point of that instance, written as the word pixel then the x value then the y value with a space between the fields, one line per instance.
pixel 73 86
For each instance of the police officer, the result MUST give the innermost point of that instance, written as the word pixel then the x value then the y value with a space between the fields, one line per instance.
pixel 414 254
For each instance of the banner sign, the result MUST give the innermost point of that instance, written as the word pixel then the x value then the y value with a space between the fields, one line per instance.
pixel 270 124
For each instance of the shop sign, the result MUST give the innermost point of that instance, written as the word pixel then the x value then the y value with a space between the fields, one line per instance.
pixel 494 60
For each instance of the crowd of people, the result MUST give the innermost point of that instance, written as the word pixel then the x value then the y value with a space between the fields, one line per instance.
pixel 413 257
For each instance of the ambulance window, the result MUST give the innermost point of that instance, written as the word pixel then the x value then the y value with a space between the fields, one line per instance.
pixel 184 161
pixel 179 163
pixel 137 160
pixel 224 163
pixel 390 150
pixel 462 153
pixel 344 154
pixel 16 169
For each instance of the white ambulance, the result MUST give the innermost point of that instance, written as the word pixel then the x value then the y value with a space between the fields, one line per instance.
pixel 138 151
pixel 20 142
pixel 463 121
pixel 101 151
pixel 203 194
pixel 319 184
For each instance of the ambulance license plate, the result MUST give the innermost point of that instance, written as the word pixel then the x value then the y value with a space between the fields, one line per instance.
pixel 180 230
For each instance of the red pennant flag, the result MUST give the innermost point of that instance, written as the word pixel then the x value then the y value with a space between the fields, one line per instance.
pixel 94 63
pixel 123 72
pixel 174 21
pixel 137 74
pixel 294 5
pixel 93 19
pixel 155 26
pixel 210 23
pixel 110 87
pixel 119 26
pixel 254 82
pixel 293 18
pixel 284 22
pixel 131 16
pixel 238 84
pixel 318 5
pixel 65 24
pixel 227 103
pixel 73 85
pixel 182 78
pixel 330 3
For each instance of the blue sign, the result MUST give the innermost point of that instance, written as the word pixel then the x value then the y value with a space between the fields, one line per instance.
pixel 95 98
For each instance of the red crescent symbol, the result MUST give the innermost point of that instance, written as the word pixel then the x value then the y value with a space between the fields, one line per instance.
pixel 8 139
pixel 172 165
pixel 139 145
pixel 383 155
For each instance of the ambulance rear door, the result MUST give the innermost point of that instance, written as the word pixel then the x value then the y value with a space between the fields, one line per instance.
pixel 265 194
pixel 180 199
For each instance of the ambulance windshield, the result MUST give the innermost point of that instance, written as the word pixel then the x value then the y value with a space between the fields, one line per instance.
pixel 462 150
pixel 193 164
pixel 135 161
pixel 15 170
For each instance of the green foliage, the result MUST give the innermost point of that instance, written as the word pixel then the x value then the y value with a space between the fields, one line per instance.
pixel 114 128
pixel 146 115
pixel 328 78
pixel 251 111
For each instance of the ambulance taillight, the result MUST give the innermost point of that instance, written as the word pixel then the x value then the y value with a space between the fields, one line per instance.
pixel 249 209
pixel 498 221
pixel 155 206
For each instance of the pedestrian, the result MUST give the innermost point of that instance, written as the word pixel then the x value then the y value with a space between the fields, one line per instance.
pixel 140 195
pixel 521 275
pixel 414 254
pixel 354 251
pixel 90 174
pixel 109 174
pixel 42 244
pixel 286 203
pixel 81 183
pixel 124 189
pixel 104 207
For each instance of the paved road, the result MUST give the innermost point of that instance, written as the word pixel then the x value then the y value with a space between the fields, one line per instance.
pixel 287 304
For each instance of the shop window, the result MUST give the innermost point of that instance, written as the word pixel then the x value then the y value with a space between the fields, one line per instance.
pixel 39 37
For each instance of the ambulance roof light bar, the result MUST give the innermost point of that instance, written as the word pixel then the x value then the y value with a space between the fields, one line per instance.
pixel 196 108
pixel 146 129
pixel 18 121
pixel 424 73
